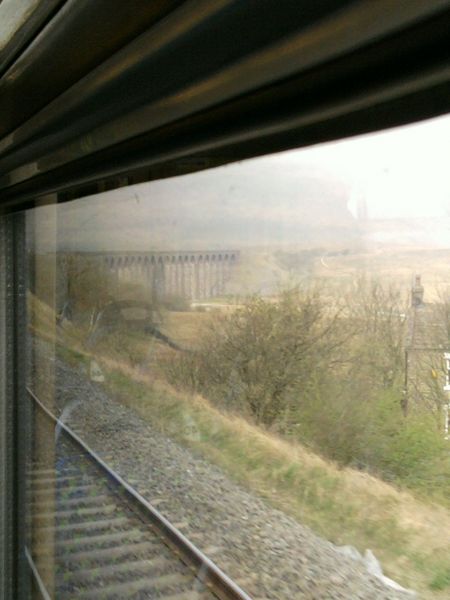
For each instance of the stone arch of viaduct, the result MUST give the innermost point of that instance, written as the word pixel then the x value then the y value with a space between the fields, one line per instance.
pixel 193 275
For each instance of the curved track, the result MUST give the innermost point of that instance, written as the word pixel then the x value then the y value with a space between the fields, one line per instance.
pixel 103 539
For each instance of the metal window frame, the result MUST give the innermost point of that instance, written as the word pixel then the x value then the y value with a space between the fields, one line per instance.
pixel 199 87
pixel 14 571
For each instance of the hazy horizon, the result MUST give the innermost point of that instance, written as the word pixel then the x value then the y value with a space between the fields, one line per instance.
pixel 295 198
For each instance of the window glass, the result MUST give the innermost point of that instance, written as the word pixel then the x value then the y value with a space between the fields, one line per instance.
pixel 13 15
pixel 251 360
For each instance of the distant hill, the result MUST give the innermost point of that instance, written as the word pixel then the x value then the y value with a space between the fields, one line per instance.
pixel 234 206
pixel 285 217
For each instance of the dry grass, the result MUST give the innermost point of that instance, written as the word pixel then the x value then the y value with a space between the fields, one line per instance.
pixel 391 265
pixel 183 327
pixel 346 506
pixel 343 505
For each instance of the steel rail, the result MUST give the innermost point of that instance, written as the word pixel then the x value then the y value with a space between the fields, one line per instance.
pixel 39 583
pixel 206 570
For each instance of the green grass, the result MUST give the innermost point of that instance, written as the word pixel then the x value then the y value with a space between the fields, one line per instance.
pixel 71 356
pixel 441 580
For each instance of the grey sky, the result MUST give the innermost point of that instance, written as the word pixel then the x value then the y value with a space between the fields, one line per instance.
pixel 402 172
pixel 283 198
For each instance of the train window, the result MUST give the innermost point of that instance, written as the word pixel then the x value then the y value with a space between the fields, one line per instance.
pixel 237 379
pixel 13 14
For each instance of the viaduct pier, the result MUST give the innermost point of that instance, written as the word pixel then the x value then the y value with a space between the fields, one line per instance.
pixel 195 275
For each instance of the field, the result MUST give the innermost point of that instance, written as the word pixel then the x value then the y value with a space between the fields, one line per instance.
pixel 396 265
pixel 406 532
pixel 266 272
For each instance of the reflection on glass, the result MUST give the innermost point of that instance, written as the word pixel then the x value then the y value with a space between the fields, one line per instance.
pixel 261 351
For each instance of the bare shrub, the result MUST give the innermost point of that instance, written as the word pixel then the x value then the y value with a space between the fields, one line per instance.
pixel 254 359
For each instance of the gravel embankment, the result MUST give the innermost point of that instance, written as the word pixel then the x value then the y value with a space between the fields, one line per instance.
pixel 268 553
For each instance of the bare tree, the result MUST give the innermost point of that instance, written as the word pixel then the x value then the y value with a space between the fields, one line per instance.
pixel 261 358
pixel 379 313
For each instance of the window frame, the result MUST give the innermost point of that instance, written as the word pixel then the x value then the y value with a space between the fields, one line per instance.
pixel 239 125
pixel 14 574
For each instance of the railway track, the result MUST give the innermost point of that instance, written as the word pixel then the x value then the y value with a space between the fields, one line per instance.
pixel 102 540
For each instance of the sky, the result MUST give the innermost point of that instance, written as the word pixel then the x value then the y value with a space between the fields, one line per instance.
pixel 402 173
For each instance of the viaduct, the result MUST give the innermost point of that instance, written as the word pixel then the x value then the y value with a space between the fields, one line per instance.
pixel 193 275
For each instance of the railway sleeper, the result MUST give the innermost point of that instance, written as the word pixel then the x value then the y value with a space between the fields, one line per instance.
pixel 64 549
pixel 147 566
pixel 102 556
pixel 63 503
pixel 74 514
pixel 54 473
pixel 60 493
pixel 149 585
pixel 76 478
pixel 63 529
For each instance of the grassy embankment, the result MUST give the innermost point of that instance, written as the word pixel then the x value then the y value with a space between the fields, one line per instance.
pixel 407 534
